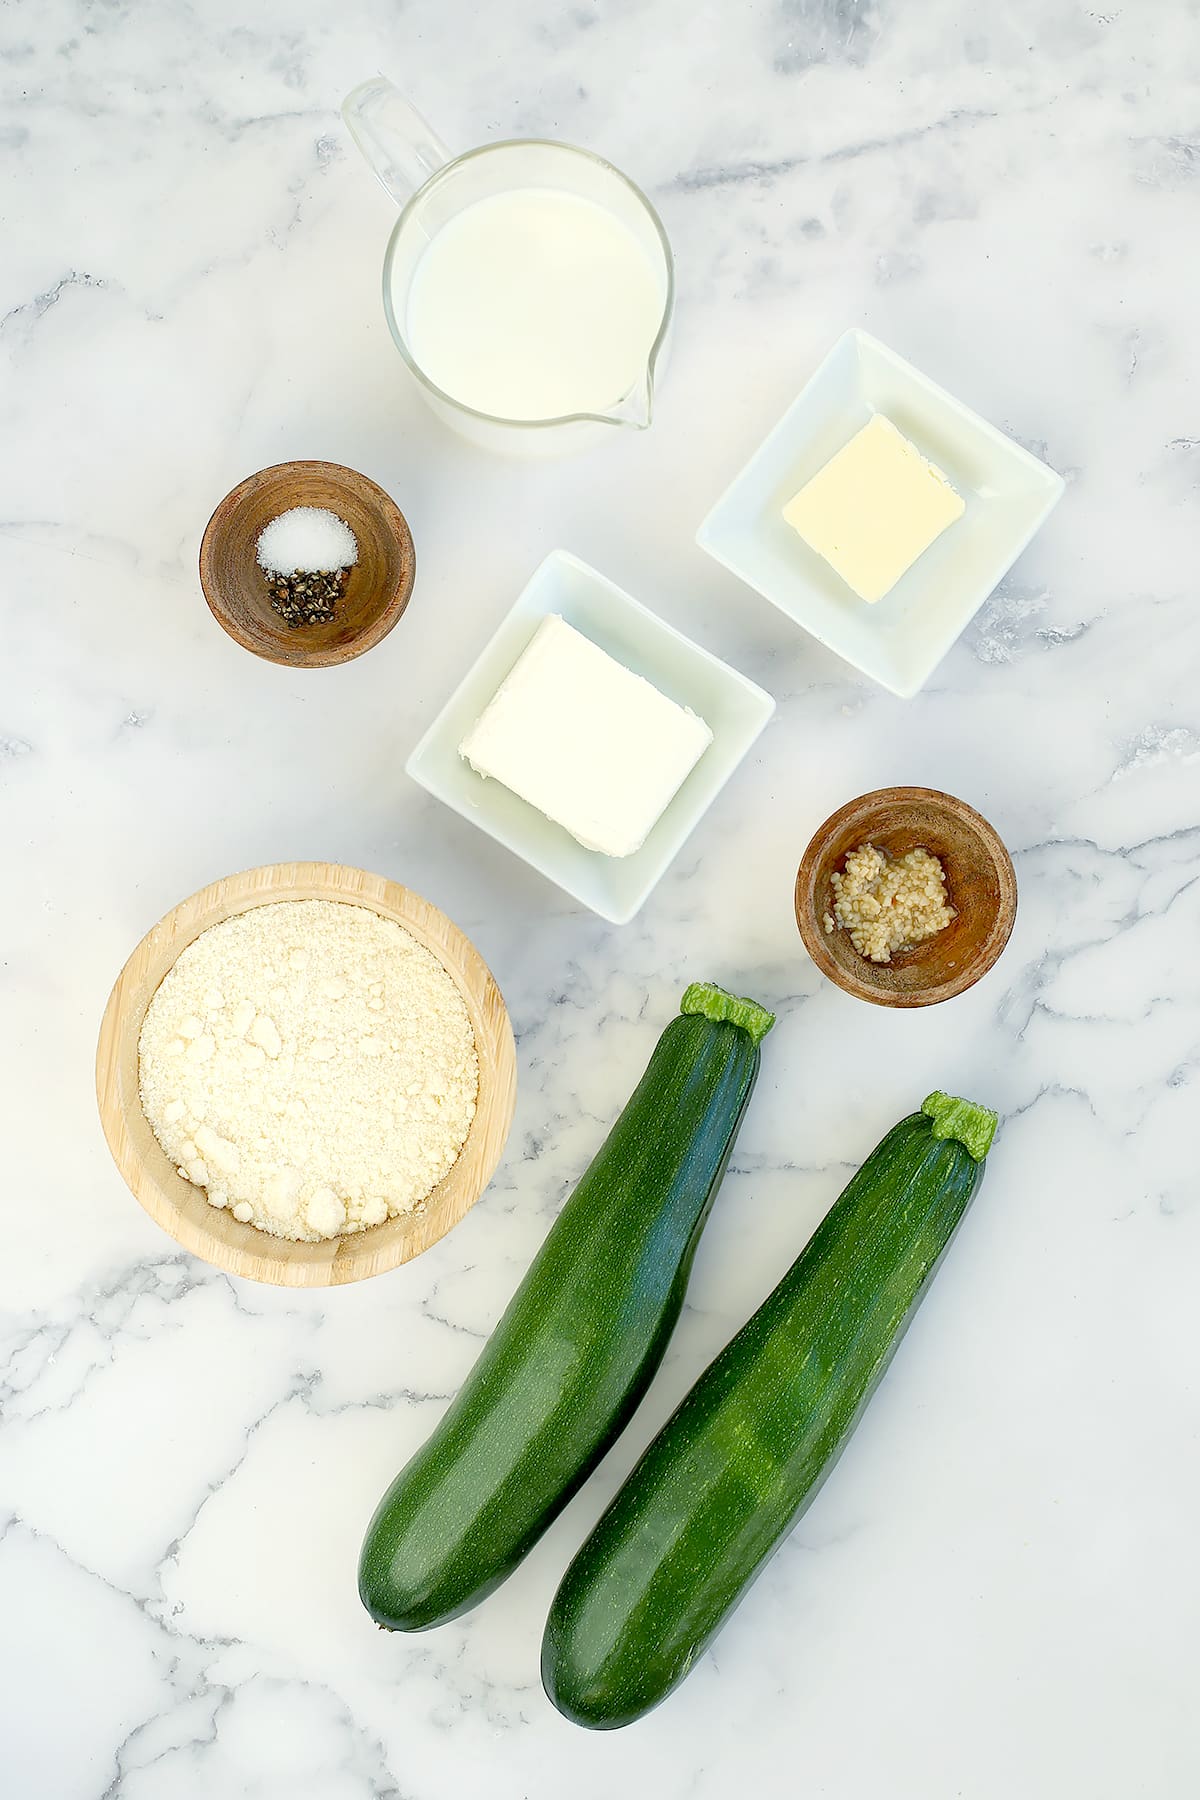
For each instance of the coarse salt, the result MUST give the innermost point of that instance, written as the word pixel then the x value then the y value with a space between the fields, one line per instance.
pixel 307 539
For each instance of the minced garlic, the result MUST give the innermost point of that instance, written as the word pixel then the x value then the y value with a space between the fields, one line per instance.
pixel 887 903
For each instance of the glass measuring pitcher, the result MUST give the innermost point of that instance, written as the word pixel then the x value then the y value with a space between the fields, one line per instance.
pixel 528 284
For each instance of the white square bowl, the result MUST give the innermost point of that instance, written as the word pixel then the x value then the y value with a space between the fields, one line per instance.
pixel 900 639
pixel 734 708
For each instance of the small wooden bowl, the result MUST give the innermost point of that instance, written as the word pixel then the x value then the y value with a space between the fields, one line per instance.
pixel 212 1232
pixel 980 885
pixel 377 588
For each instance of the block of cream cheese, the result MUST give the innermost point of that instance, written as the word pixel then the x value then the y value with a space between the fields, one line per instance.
pixel 874 508
pixel 592 745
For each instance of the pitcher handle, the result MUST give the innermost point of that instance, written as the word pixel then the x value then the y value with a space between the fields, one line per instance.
pixel 394 138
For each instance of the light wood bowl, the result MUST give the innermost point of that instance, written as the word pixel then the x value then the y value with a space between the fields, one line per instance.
pixel 212 1232
pixel 377 588
pixel 980 884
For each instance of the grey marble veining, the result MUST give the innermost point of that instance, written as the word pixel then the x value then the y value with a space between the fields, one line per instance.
pixel 996 1594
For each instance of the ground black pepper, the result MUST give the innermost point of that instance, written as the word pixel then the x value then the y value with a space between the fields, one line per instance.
pixel 309 597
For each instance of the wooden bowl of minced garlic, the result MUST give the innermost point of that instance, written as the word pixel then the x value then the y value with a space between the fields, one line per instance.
pixel 905 897
pixel 306 1074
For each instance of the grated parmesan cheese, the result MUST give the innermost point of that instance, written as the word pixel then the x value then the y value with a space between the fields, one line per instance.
pixel 312 1066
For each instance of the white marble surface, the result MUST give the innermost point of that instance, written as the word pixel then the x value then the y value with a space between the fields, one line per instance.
pixel 997 1593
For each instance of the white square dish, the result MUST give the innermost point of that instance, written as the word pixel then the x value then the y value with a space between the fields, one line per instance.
pixel 900 640
pixel 734 708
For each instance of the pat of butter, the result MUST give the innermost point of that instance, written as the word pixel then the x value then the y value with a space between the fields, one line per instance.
pixel 874 509
pixel 592 745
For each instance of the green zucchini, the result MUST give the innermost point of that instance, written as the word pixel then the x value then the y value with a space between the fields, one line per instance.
pixel 721 1485
pixel 582 1337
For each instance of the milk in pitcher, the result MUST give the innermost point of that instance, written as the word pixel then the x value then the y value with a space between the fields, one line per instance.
pixel 534 303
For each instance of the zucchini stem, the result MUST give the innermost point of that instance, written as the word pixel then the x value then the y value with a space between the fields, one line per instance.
pixel 973 1126
pixel 712 1002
